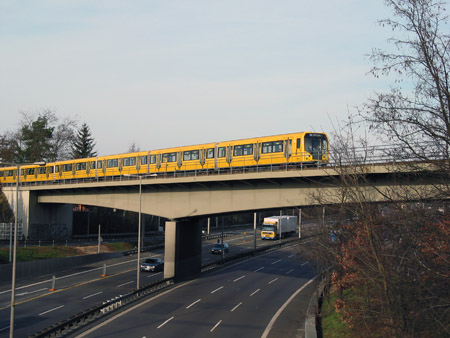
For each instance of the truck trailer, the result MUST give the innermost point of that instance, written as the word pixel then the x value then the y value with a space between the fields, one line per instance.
pixel 275 226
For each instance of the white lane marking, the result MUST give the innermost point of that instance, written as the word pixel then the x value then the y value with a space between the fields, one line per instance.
pixel 187 307
pixel 154 274
pixel 273 280
pixel 168 320
pixel 255 292
pixel 239 278
pixel 218 323
pixel 287 273
pixel 217 289
pixel 291 256
pixel 236 307
pixel 281 309
pixel 131 281
pixel 276 261
pixel 75 274
pixel 56 308
pixel 305 263
pixel 94 294
pixel 30 292
pixel 3 329
pixel 258 269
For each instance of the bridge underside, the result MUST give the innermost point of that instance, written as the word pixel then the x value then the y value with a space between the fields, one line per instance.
pixel 182 200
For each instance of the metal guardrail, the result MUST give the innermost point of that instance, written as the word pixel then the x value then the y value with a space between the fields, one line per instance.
pixel 74 323
pixel 70 326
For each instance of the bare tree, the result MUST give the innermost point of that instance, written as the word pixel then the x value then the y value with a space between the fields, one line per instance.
pixel 416 110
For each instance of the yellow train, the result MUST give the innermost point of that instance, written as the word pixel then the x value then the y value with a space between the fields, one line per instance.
pixel 286 150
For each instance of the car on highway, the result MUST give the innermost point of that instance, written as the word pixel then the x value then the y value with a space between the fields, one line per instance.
pixel 217 248
pixel 152 265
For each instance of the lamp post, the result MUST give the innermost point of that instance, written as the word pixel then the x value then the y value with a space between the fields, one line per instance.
pixel 13 278
pixel 139 228
pixel 16 226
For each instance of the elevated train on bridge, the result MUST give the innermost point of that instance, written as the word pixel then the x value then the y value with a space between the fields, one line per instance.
pixel 293 149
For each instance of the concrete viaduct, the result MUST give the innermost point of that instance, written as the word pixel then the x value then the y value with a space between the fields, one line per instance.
pixel 183 199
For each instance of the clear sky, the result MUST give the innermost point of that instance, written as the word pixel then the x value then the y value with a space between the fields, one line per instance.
pixel 164 73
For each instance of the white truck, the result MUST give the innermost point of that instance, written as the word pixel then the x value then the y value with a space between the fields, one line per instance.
pixel 275 225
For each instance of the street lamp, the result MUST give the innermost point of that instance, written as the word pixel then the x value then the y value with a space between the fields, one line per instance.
pixel 16 226
pixel 139 227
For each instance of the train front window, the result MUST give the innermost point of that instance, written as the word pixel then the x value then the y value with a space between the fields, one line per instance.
pixel 316 145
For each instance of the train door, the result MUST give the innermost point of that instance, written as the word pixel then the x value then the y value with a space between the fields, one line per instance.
pixel 287 149
pixel 257 151
pixel 229 154
pixel 202 156
pixel 158 161
pixel 179 159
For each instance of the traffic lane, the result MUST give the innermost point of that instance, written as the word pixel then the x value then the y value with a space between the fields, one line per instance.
pixel 126 284
pixel 71 294
pixel 37 314
pixel 237 300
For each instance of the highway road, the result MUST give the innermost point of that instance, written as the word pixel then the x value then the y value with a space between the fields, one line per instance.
pixel 239 301
pixel 37 307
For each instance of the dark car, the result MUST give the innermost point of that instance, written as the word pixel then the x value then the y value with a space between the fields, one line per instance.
pixel 217 249
pixel 152 265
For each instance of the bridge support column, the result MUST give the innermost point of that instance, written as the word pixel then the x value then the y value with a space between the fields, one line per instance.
pixel 183 249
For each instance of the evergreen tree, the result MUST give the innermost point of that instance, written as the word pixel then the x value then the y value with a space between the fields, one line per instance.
pixel 84 144
pixel 36 138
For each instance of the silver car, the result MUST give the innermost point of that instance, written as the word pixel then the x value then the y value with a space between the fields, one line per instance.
pixel 152 265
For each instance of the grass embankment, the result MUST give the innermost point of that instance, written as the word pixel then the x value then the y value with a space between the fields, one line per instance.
pixel 44 252
pixel 332 324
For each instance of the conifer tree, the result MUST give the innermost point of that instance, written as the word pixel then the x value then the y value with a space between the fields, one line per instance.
pixel 84 144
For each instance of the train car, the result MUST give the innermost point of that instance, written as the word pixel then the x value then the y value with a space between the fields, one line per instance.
pixel 123 164
pixel 8 175
pixel 187 158
pixel 302 148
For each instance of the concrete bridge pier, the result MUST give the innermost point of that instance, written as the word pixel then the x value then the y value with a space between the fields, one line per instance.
pixel 183 249
pixel 37 220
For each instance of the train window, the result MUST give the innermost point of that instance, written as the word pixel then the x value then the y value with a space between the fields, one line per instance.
pixel 272 147
pixel 129 161
pixel 41 170
pixel 92 165
pixel 248 149
pixel 299 143
pixel 99 165
pixel 57 168
pixel 190 155
pixel 222 152
pixel 210 153
pixel 67 167
pixel 10 173
pixel 278 146
pixel 152 159
pixel 170 157
pixel 144 159
pixel 81 166
pixel 112 163
pixel 50 170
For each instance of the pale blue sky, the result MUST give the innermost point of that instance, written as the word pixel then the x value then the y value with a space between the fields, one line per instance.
pixel 165 73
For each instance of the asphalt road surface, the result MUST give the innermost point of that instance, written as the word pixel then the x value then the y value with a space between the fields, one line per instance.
pixel 239 301
pixel 79 288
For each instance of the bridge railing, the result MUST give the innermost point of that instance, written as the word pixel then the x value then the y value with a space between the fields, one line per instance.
pixel 348 156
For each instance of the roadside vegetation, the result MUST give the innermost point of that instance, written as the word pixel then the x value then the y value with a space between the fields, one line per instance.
pixel 45 252
pixel 387 264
